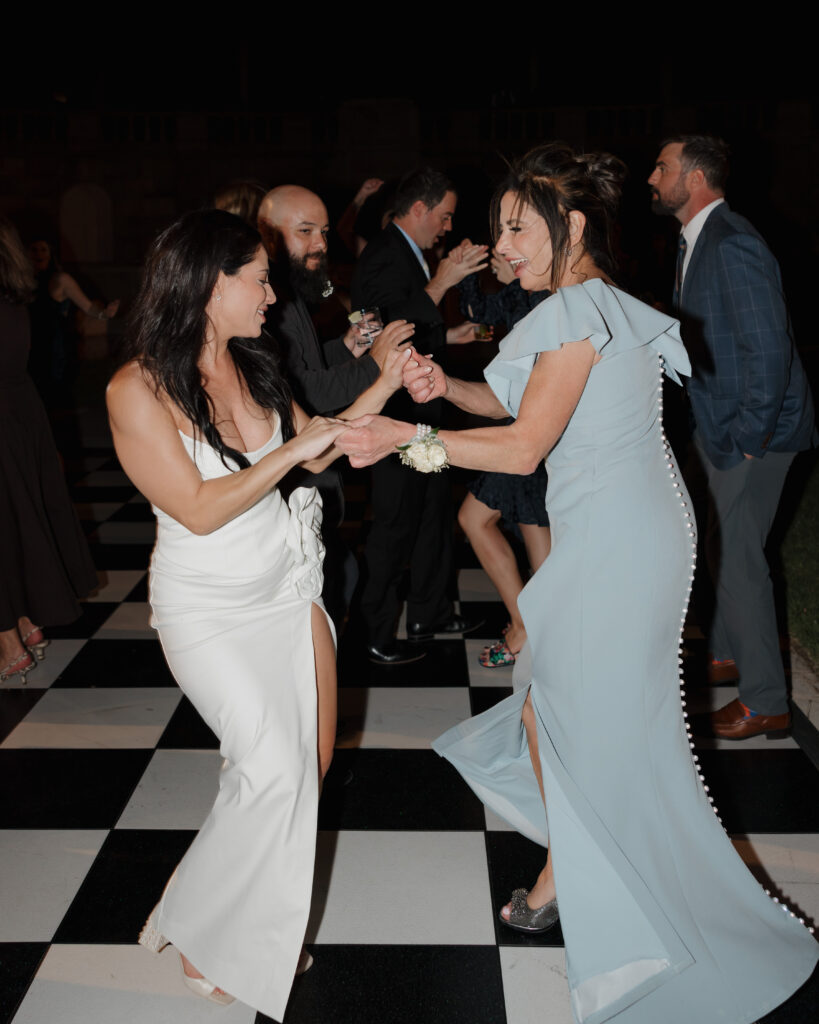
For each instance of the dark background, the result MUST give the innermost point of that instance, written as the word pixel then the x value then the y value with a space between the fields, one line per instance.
pixel 109 132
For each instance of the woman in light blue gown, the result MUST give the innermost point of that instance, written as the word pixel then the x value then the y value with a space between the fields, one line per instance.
pixel 662 921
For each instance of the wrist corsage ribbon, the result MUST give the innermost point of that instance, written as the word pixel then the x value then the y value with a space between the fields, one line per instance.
pixel 425 452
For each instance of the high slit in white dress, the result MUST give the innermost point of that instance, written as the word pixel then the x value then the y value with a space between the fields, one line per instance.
pixel 233 611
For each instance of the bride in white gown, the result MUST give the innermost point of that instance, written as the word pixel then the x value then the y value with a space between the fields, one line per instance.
pixel 205 427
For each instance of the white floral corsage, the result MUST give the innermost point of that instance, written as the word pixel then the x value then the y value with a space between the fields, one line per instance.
pixel 425 452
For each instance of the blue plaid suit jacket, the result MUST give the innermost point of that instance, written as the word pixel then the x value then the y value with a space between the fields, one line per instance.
pixel 748 392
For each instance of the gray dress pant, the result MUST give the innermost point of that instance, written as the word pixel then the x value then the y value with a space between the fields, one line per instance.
pixel 743 503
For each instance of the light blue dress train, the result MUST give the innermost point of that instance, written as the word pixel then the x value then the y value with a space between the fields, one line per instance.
pixel 662 921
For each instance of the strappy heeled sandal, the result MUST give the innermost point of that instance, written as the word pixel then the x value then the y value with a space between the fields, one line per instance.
pixel 21 666
pixel 36 641
pixel 524 918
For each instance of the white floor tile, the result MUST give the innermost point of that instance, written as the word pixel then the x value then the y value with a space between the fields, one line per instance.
pixel 130 717
pixel 58 654
pixel 803 899
pixel 177 790
pixel 475 585
pixel 126 984
pixel 785 858
pixel 40 873
pixel 401 887
pixel 116 584
pixel 398 717
pixel 534 984
pixel 126 533
pixel 480 676
pixel 128 621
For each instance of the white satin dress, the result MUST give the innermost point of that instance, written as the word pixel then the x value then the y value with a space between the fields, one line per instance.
pixel 232 610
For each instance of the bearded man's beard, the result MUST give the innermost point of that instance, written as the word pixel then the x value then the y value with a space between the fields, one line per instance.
pixel 310 282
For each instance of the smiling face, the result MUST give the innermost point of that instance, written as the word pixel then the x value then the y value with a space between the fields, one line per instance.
pixel 670 193
pixel 525 244
pixel 433 223
pixel 239 301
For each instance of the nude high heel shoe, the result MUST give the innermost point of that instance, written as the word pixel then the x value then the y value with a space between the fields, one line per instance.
pixel 206 989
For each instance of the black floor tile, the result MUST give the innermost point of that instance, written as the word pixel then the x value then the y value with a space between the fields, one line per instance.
pixel 133 512
pixel 464 557
pixel 83 494
pixel 140 591
pixel 121 556
pixel 444 664
pixel 514 863
pixel 19 962
pixel 397 789
pixel 493 614
pixel 399 985
pixel 123 885
pixel 15 704
pixel 94 614
pixel 482 698
pixel 187 731
pixel 67 788
pixel 763 791
pixel 114 663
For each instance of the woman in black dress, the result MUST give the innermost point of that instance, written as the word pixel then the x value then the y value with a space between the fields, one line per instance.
pixel 44 561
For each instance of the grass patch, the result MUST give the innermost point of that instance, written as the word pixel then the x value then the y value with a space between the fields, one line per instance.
pixel 800 554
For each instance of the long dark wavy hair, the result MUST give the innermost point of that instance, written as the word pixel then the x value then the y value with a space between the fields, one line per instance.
pixel 553 180
pixel 169 323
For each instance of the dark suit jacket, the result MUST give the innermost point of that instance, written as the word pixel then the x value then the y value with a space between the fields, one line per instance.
pixel 748 392
pixel 325 378
pixel 388 275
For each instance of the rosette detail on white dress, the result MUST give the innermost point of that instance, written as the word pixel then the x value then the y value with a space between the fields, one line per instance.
pixel 304 540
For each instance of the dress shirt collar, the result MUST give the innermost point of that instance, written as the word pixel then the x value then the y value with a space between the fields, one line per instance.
pixel 416 249
pixel 691 231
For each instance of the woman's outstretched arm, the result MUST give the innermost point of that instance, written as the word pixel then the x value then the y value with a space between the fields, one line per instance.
pixel 153 455
pixel 554 389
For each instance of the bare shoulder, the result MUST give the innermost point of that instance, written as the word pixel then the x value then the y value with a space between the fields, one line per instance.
pixel 132 395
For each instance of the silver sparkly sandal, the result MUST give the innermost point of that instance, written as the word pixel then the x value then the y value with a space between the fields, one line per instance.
pixel 525 919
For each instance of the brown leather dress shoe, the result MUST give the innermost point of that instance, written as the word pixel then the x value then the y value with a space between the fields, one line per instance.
pixel 734 723
pixel 722 671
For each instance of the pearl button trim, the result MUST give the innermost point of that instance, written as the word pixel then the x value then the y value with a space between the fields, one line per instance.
pixel 691 531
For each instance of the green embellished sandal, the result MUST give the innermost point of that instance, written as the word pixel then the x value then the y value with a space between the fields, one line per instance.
pixel 497 655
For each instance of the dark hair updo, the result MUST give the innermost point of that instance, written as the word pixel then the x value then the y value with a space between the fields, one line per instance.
pixel 553 180
pixel 169 322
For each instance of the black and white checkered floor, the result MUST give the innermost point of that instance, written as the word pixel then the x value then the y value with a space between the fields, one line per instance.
pixel 106 772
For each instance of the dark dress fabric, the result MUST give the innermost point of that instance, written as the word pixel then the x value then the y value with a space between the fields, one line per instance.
pixel 45 564
pixel 519 499
pixel 53 348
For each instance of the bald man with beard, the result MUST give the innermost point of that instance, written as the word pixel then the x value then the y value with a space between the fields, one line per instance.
pixel 325 377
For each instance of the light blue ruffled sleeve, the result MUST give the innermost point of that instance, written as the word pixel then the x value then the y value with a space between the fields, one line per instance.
pixel 612 320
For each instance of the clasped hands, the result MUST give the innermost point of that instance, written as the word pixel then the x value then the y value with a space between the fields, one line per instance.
pixel 369 439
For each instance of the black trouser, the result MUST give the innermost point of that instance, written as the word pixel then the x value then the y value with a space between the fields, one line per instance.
pixel 412 525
